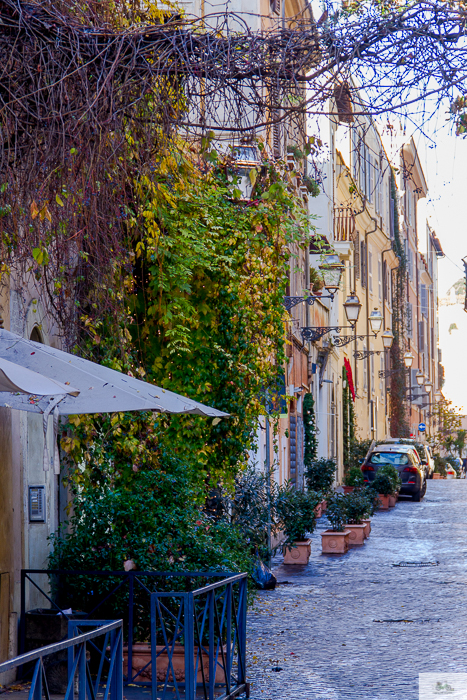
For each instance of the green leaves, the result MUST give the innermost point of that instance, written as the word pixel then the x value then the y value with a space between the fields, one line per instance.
pixel 40 255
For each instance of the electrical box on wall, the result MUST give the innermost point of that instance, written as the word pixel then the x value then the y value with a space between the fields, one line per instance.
pixel 37 504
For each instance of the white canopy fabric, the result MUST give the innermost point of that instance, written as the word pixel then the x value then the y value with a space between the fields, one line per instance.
pixel 97 389
pixel 41 379
pixel 17 379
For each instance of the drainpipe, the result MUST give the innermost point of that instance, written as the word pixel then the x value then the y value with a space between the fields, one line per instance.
pixel 384 325
pixel 368 362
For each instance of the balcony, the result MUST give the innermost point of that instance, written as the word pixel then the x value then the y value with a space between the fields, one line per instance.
pixel 344 224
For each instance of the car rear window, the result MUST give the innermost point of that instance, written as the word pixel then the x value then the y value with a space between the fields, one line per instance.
pixel 394 458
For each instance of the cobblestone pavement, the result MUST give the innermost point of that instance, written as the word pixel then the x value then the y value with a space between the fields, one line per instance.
pixel 359 625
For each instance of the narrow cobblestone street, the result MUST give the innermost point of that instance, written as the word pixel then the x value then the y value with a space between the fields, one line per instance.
pixel 362 625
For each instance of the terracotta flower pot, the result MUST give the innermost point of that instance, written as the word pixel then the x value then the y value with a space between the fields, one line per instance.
pixel 367 524
pixel 384 501
pixel 335 542
pixel 357 534
pixel 348 489
pixel 298 554
pixel 142 656
pixel 392 500
pixel 437 476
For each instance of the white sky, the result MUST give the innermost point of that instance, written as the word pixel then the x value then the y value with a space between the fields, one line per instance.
pixel 445 164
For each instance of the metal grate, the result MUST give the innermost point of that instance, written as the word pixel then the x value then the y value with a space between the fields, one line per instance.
pixel 417 563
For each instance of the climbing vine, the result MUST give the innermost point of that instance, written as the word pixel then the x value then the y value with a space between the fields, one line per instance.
pixel 202 312
pixel 399 424
pixel 309 423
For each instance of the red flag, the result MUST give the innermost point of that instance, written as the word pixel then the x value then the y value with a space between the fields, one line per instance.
pixel 348 371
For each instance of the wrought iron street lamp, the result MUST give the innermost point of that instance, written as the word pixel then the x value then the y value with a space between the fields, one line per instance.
pixel 408 359
pixel 438 396
pixel 428 387
pixel 376 321
pixel 332 269
pixel 352 306
pixel 388 339
pixel 420 377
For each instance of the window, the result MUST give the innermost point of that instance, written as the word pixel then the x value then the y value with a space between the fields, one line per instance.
pixel 363 264
pixel 371 179
pixel 410 320
pixel 421 336
pixel 276 6
pixel 386 290
pixel 394 458
pixel 357 256
pixel 370 271
pixel 424 300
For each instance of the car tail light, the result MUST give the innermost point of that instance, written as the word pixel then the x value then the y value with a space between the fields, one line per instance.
pixel 367 468
pixel 412 470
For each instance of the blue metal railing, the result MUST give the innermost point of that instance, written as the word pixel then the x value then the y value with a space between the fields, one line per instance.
pixel 209 626
pixel 205 627
pixel 78 666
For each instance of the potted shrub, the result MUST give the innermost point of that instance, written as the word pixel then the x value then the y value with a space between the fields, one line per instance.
pixel 357 508
pixel 383 485
pixel 296 513
pixel 393 475
pixel 319 475
pixel 336 540
pixel 353 479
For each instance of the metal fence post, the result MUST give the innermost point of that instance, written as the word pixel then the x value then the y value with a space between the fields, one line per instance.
pixel 22 621
pixel 242 589
pixel 82 672
pixel 228 634
pixel 189 639
pixel 117 680
pixel 212 665
pixel 153 646
pixel 129 673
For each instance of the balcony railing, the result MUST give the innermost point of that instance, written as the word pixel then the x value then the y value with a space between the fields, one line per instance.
pixel 344 224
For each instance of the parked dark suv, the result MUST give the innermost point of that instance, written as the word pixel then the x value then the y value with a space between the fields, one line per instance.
pixel 407 462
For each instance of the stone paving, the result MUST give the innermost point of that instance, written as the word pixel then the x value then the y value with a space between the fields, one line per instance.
pixel 359 625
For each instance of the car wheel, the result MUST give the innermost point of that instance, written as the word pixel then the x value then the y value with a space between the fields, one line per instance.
pixel 417 497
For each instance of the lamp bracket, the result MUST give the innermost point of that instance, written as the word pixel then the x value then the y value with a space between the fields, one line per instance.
pixel 339 341
pixel 314 333
pixel 363 354
pixel 290 302
pixel 389 372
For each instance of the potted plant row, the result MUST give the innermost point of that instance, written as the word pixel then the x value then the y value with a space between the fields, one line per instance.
pixel 349 517
pixel 296 512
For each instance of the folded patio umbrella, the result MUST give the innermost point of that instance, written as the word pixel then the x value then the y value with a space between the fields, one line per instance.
pixel 78 386
pixel 101 390
pixel 19 380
